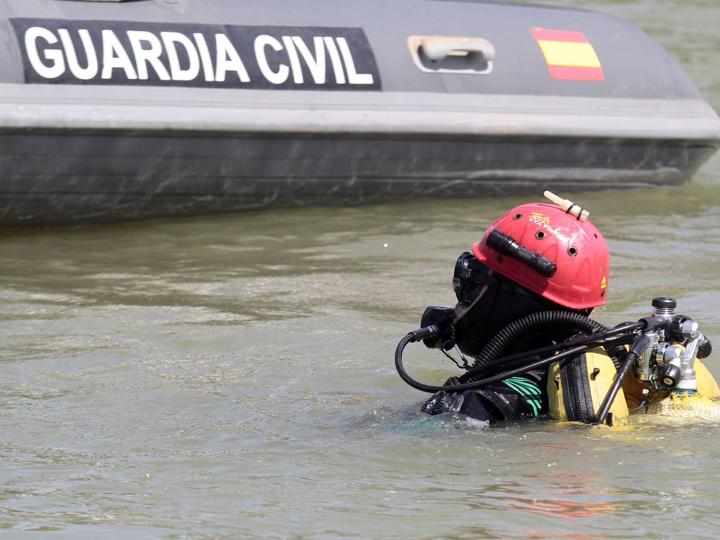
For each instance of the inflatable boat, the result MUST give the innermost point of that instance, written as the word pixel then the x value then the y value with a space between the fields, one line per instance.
pixel 122 109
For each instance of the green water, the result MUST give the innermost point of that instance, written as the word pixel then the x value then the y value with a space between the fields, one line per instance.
pixel 231 377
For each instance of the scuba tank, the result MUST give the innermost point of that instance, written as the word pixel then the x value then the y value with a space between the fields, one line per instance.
pixel 575 389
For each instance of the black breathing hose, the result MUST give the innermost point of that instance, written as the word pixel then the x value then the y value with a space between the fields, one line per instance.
pixel 599 335
pixel 613 340
pixel 533 362
pixel 497 345
pixel 410 338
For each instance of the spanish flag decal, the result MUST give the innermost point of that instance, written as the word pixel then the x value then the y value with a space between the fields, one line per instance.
pixel 569 55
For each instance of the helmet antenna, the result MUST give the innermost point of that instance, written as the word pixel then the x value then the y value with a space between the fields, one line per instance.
pixel 570 207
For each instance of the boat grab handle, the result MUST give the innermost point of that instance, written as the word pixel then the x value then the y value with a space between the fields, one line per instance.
pixel 452 54
pixel 437 48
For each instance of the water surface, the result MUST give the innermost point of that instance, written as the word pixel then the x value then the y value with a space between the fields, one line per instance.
pixel 232 376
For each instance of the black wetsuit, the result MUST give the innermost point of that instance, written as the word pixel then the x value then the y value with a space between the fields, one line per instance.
pixel 514 398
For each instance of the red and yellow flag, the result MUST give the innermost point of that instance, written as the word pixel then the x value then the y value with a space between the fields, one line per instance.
pixel 569 55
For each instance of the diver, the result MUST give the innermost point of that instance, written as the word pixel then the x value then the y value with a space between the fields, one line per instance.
pixel 521 329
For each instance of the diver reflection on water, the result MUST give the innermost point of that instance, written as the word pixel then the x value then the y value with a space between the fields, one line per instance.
pixel 522 333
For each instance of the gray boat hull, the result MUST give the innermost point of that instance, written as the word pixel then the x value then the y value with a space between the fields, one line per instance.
pixel 191 174
pixel 101 149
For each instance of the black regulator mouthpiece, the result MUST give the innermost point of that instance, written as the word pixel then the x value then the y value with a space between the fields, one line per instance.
pixel 442 318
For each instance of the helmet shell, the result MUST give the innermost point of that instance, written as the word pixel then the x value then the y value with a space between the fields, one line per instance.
pixel 576 247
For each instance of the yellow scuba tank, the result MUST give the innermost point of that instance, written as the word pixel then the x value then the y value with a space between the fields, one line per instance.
pixel 576 389
pixel 707 385
pixel 702 405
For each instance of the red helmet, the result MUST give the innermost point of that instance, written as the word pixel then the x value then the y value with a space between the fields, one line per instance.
pixel 550 252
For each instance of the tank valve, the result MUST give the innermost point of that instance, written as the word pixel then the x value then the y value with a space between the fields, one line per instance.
pixel 664 306
pixel 670 375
